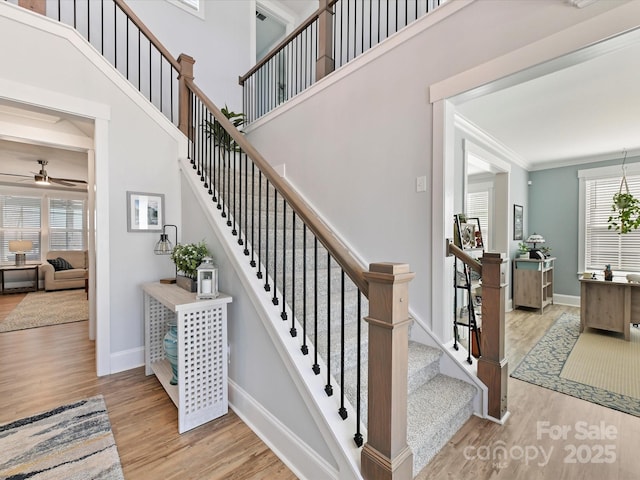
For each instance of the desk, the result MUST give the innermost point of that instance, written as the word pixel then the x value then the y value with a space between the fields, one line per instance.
pixel 13 268
pixel 610 306
pixel 201 394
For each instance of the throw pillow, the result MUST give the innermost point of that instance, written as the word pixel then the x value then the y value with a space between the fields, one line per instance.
pixel 60 264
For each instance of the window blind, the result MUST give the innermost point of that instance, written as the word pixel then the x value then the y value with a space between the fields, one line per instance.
pixel 604 246
pixel 19 220
pixel 67 224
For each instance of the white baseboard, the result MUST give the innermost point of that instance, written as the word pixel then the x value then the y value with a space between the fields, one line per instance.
pixel 127 359
pixel 570 300
pixel 297 455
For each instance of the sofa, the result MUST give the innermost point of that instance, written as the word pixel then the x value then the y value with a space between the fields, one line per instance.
pixel 67 269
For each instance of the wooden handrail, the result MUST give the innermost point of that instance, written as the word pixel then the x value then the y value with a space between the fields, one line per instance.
pixel 453 249
pixel 336 248
pixel 275 50
pixel 152 38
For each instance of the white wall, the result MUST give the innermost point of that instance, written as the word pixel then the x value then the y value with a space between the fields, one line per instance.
pixel 136 149
pixel 222 42
pixel 254 363
pixel 357 140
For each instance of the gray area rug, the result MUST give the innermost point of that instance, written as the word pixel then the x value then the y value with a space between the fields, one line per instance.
pixel 39 309
pixel 72 442
pixel 544 363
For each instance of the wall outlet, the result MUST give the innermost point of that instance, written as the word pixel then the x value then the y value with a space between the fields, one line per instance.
pixel 421 184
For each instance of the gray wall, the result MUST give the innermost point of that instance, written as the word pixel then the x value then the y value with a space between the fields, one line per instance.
pixel 553 213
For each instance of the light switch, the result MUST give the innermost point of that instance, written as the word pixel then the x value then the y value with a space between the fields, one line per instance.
pixel 421 184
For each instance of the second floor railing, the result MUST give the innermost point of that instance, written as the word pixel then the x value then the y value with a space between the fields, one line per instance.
pixel 115 31
pixel 338 32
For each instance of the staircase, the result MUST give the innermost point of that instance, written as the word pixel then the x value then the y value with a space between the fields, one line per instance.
pixel 438 405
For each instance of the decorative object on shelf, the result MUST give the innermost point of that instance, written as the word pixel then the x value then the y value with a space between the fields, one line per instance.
pixel 187 258
pixel 19 247
pixel 625 208
pixel 170 344
pixel 207 279
pixel 546 251
pixel 523 250
pixel 145 212
pixel 608 273
pixel 165 247
pixel 518 224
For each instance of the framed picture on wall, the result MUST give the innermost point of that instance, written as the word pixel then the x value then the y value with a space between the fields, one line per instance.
pixel 517 222
pixel 145 212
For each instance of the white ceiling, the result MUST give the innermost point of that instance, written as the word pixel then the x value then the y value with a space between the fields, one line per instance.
pixel 584 109
pixel 20 157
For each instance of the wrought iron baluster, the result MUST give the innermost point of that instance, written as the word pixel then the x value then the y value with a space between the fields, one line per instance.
pixel 328 388
pixel 342 411
pixel 274 300
pixel 304 348
pixel 358 436
pixel 316 366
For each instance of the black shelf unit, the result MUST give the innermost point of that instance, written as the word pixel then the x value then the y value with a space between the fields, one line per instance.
pixel 468 237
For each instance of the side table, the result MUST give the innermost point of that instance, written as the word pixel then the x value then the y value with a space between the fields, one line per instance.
pixel 12 268
pixel 202 392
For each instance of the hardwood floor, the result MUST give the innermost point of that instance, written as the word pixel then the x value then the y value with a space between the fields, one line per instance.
pixel 484 450
pixel 45 367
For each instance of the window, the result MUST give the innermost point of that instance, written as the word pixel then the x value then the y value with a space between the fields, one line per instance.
pixel 478 206
pixel 67 226
pixel 19 220
pixel 601 245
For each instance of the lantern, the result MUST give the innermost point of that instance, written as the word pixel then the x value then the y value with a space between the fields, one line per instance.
pixel 207 279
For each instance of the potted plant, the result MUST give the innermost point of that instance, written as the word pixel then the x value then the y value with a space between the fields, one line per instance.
pixel 523 250
pixel 187 258
pixel 220 137
pixel 626 213
pixel 625 208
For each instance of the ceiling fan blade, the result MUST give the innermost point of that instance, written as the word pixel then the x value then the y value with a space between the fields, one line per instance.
pixel 15 175
pixel 60 181
pixel 72 180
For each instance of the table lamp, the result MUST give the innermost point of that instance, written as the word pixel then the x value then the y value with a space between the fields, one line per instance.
pixel 19 247
pixel 165 247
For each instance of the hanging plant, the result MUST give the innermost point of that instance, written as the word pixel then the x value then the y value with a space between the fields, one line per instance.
pixel 625 208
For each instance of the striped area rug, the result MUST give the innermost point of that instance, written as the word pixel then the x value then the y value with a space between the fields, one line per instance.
pixel 72 442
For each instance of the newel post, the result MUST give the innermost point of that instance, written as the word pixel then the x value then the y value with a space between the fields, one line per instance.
pixel 38 6
pixel 325 63
pixel 386 455
pixel 493 368
pixel 186 72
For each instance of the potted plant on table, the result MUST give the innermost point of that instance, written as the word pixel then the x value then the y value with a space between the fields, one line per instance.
pixel 187 258
pixel 523 250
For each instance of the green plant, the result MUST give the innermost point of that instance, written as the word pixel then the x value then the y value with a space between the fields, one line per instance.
pixel 626 213
pixel 220 137
pixel 187 257
pixel 523 247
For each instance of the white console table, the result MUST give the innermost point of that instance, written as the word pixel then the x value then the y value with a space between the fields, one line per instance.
pixel 201 394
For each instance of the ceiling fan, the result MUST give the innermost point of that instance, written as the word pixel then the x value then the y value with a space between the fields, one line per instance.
pixel 43 178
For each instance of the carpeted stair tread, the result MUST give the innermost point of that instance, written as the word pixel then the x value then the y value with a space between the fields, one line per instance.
pixel 435 412
pixel 423 365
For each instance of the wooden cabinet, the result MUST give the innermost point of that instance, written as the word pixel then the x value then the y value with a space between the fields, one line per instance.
pixel 610 306
pixel 201 393
pixel 533 282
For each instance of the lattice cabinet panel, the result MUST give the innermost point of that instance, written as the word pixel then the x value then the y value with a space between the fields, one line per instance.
pixel 201 393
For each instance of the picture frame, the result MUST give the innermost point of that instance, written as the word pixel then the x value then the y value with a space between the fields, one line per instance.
pixel 145 212
pixel 518 222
